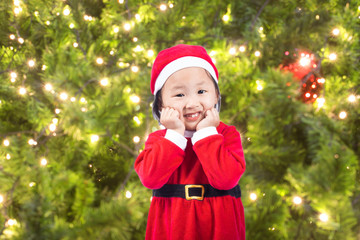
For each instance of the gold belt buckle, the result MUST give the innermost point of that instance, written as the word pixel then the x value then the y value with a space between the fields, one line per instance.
pixel 194 197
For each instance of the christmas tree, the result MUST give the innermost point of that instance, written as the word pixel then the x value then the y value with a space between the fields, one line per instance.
pixel 75 111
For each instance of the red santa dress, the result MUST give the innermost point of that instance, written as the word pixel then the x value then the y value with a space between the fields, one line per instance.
pixel 212 156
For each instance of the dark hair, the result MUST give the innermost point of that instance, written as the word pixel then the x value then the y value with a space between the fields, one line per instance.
pixel 157 103
pixel 156 106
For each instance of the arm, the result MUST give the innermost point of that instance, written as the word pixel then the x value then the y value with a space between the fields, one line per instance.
pixel 222 158
pixel 157 162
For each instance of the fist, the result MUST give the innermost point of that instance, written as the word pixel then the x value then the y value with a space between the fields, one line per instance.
pixel 170 119
pixel 211 119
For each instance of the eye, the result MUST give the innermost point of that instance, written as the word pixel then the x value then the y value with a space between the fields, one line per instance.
pixel 201 91
pixel 179 95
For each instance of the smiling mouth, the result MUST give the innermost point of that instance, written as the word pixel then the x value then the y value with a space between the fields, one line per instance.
pixel 192 117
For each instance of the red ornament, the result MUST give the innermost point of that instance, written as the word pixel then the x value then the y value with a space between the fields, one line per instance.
pixel 304 67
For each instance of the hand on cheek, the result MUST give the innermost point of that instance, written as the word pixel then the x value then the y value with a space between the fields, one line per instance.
pixel 170 119
pixel 211 119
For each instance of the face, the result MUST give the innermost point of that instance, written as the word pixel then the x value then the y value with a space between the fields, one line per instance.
pixel 191 92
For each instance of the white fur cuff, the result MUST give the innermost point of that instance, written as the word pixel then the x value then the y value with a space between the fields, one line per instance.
pixel 176 138
pixel 203 133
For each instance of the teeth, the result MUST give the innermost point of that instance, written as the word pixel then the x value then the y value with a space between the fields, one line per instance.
pixel 193 115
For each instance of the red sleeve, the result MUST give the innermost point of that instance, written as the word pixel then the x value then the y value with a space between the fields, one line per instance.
pixel 222 158
pixel 158 161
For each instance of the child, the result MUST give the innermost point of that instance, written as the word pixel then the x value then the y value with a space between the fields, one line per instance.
pixel 195 163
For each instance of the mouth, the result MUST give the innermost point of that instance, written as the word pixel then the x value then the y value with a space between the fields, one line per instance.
pixel 192 116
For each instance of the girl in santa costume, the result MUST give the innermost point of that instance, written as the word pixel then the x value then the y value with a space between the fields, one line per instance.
pixel 195 163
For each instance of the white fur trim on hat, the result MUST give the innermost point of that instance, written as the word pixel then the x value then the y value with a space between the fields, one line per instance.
pixel 179 64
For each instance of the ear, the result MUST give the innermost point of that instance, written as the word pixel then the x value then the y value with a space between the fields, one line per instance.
pixel 218 102
pixel 217 97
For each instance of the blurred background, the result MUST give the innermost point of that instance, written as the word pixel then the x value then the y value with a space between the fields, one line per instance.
pixel 75 111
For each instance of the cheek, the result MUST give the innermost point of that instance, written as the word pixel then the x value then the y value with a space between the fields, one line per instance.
pixel 210 102
pixel 178 107
pixel 174 104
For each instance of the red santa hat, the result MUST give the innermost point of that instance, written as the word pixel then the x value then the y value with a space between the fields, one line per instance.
pixel 181 56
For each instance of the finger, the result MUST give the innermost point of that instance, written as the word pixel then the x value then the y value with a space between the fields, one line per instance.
pixel 170 114
pixel 206 113
pixel 215 112
pixel 209 113
pixel 213 115
pixel 167 112
pixel 164 109
pixel 175 114
pixel 164 114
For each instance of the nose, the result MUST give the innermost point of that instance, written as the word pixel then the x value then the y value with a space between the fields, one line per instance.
pixel 192 102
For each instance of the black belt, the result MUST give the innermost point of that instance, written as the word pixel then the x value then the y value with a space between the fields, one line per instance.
pixel 194 191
